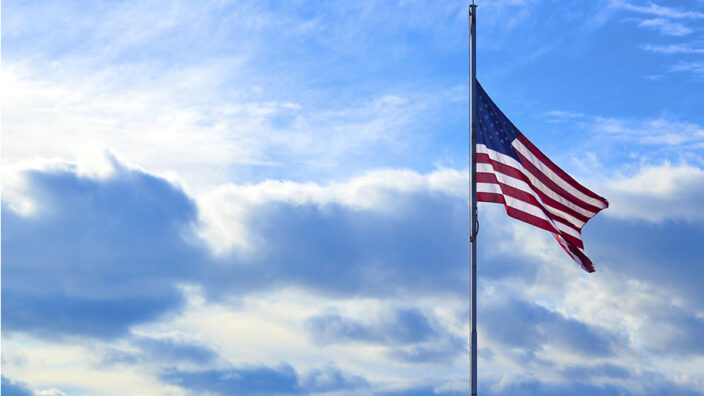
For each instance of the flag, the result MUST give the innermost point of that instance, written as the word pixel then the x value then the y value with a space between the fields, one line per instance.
pixel 512 171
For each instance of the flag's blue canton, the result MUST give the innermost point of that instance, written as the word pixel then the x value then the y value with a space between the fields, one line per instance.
pixel 493 128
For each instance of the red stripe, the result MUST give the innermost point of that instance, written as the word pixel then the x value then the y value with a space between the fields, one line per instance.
pixel 515 173
pixel 490 197
pixel 544 159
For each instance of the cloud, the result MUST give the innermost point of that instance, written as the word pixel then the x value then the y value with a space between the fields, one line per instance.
pixel 401 326
pixel 661 131
pixel 681 48
pixel 183 97
pixel 541 328
pixel 578 388
pixel 680 332
pixel 560 115
pixel 371 211
pixel 244 381
pixel 330 379
pixel 151 350
pixel 226 209
pixel 598 371
pixel 445 350
pixel 384 234
pixel 421 391
pixel 263 380
pixel 669 21
pixel 407 335
pixel 657 10
pixel 666 26
pixel 639 250
pixel 625 145
pixel 694 67
pixel 178 124
pixel 658 193
pixel 175 350
pixel 98 255
pixel 139 229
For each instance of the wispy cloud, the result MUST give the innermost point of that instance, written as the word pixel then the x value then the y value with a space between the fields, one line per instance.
pixel 669 21
pixel 694 67
pixel 660 131
pixel 187 129
pixel 631 142
pixel 666 26
pixel 650 8
pixel 681 48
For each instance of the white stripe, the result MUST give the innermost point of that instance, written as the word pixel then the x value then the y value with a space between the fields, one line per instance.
pixel 542 167
pixel 523 186
pixel 491 188
pixel 510 161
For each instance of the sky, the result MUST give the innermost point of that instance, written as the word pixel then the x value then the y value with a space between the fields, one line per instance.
pixel 270 198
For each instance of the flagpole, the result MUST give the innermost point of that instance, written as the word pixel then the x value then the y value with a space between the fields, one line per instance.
pixel 473 222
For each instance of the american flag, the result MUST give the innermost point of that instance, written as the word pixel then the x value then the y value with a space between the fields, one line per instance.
pixel 512 171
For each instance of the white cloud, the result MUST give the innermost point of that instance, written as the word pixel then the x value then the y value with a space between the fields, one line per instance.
pixel 666 26
pixel 51 392
pixel 681 48
pixel 53 368
pixel 660 131
pixel 262 327
pixel 177 124
pixel 657 193
pixel 657 10
pixel 694 67
pixel 224 210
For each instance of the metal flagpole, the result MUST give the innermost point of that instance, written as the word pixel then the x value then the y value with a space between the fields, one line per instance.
pixel 473 222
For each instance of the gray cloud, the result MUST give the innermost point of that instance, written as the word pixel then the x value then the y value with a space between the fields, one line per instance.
pixel 101 255
pixel 408 335
pixel 540 328
pixel 263 380
pixel 161 351
pixel 98 256
pixel 401 326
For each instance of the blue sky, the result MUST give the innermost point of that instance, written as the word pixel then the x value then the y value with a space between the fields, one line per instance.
pixel 264 197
